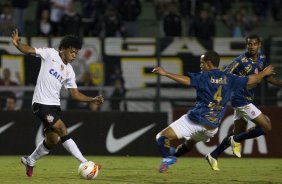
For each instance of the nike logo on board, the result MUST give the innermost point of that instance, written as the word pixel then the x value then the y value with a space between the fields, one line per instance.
pixel 5 127
pixel 40 136
pixel 113 144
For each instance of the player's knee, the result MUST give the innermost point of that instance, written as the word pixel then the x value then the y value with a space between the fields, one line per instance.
pixel 65 138
pixel 61 130
pixel 63 133
pixel 163 134
pixel 51 142
pixel 158 135
pixel 269 124
pixel 267 128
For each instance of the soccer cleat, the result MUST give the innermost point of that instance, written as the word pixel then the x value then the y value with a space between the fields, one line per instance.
pixel 29 169
pixel 236 147
pixel 212 162
pixel 167 161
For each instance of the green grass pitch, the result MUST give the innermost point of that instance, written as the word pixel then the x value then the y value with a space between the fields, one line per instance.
pixel 143 170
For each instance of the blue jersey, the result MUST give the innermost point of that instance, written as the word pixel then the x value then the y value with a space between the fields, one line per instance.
pixel 244 66
pixel 214 89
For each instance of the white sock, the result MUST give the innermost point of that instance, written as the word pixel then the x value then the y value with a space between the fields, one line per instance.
pixel 72 148
pixel 39 152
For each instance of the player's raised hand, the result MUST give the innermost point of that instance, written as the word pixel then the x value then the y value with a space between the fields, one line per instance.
pixel 159 70
pixel 98 100
pixel 15 37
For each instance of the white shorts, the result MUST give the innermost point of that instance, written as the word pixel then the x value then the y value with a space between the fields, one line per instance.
pixel 185 128
pixel 247 112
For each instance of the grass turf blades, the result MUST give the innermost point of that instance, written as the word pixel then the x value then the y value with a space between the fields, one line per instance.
pixel 135 170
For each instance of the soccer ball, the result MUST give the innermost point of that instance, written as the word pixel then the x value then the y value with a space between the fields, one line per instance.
pixel 88 170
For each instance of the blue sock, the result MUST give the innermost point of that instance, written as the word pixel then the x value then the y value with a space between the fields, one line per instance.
pixel 220 148
pixel 256 132
pixel 164 146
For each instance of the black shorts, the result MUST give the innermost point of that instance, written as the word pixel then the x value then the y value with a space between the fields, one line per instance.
pixel 48 114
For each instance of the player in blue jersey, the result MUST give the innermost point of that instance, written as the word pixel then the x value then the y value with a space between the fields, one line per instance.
pixel 250 62
pixel 214 89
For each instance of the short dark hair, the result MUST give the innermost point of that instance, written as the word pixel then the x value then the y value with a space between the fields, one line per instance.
pixel 213 57
pixel 252 36
pixel 70 41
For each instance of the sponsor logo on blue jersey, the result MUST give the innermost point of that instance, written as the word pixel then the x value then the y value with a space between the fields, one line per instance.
pixel 219 80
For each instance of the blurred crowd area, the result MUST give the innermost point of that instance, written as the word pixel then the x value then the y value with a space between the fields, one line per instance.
pixel 204 19
pixel 15 95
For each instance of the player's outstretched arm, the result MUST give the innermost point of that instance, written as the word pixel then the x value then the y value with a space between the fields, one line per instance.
pixel 256 78
pixel 185 80
pixel 24 48
pixel 77 95
pixel 274 81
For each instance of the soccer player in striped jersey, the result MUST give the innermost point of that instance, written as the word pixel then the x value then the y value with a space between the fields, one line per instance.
pixel 214 89
pixel 250 62
pixel 54 73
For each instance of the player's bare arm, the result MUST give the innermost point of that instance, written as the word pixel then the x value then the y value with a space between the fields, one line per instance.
pixel 185 80
pixel 24 48
pixel 256 78
pixel 274 81
pixel 76 95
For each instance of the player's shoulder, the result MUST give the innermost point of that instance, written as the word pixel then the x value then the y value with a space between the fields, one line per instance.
pixel 262 56
pixel 242 57
pixel 70 68
pixel 46 49
pixel 234 77
pixel 214 73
